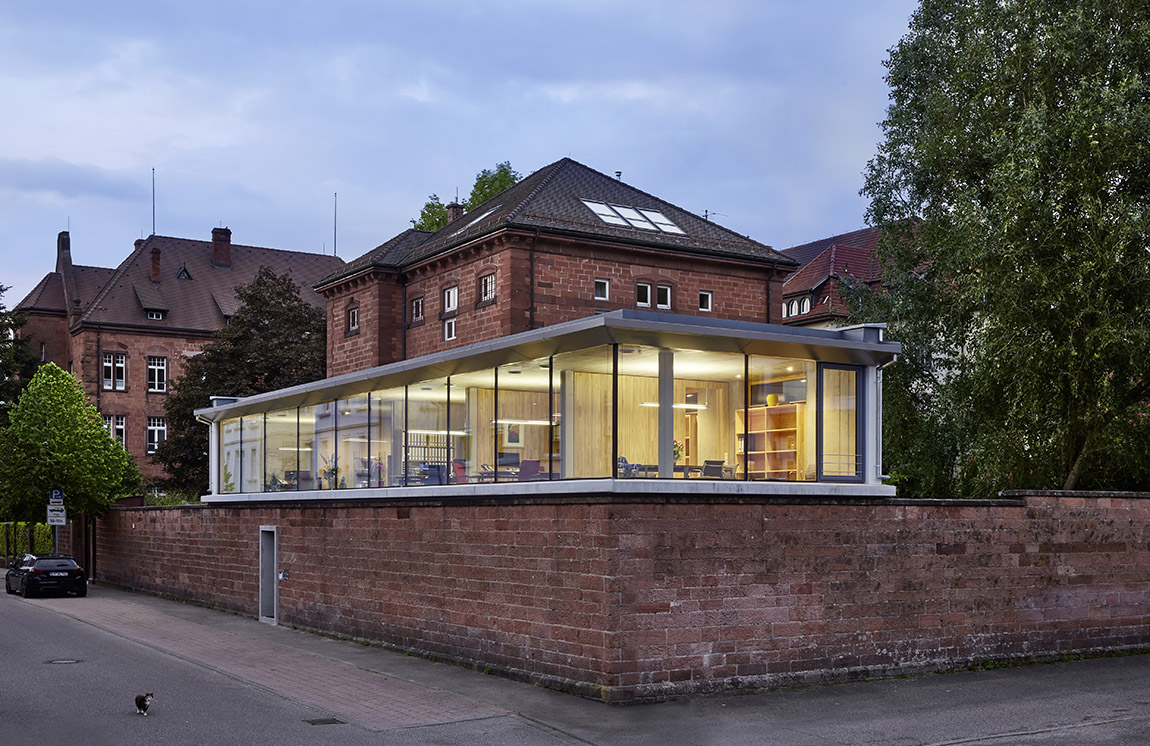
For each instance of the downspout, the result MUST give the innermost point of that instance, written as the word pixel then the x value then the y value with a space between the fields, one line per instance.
pixel 403 324
pixel 878 417
pixel 531 254
pixel 99 368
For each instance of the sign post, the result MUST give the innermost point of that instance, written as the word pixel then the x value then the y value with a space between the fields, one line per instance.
pixel 57 515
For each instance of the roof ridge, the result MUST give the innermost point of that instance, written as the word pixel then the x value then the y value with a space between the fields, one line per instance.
pixel 119 272
pixel 555 168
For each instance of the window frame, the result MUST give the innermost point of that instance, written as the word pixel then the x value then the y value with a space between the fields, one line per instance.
pixel 658 291
pixel 157 432
pixel 606 284
pixel 486 288
pixel 450 330
pixel 709 306
pixel 157 374
pixel 450 299
pixel 417 309
pixel 646 288
pixel 116 425
pixel 114 371
pixel 353 319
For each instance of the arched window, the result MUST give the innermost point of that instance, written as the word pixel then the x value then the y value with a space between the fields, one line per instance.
pixel 793 308
pixel 806 305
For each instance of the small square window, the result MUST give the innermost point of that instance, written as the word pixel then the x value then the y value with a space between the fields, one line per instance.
pixel 353 319
pixel 705 300
pixel 487 288
pixel 602 289
pixel 449 329
pixel 417 309
pixel 663 296
pixel 643 294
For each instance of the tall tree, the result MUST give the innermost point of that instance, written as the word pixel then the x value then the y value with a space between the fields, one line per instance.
pixel 1013 186
pixel 17 363
pixel 488 183
pixel 275 340
pixel 56 440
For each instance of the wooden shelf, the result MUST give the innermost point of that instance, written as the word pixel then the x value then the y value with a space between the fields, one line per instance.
pixel 770 441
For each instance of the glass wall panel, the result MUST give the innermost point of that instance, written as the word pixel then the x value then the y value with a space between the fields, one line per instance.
pixel 428 433
pixel 280 432
pixel 524 424
pixel 230 455
pixel 352 465
pixel 317 446
pixel 707 405
pixel 473 413
pixel 841 454
pixel 639 411
pixel 252 468
pixel 582 402
pixel 385 468
pixel 777 440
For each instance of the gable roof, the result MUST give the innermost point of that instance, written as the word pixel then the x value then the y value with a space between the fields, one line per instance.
pixel 551 200
pixel 201 303
pixel 863 238
pixel 848 255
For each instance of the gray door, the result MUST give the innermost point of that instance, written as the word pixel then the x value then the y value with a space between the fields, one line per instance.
pixel 269 588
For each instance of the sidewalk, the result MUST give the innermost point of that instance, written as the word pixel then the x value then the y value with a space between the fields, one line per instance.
pixel 1098 701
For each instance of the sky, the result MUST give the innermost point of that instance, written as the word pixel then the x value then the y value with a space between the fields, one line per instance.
pixel 324 127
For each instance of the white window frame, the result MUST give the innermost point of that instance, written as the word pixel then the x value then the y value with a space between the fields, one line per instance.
pixel 353 319
pixel 659 290
pixel 793 308
pixel 487 287
pixel 449 330
pixel 157 432
pixel 417 309
pixel 155 315
pixel 117 428
pixel 643 289
pixel 784 309
pixel 605 284
pixel 805 306
pixel 115 371
pixel 706 301
pixel 157 373
pixel 451 299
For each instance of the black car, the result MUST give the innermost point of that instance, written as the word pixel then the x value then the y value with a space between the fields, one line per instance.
pixel 33 574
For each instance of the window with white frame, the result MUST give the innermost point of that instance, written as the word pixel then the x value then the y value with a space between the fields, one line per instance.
pixel 417 309
pixel 157 373
pixel 115 425
pixel 157 432
pixel 662 296
pixel 806 306
pixel 784 309
pixel 793 308
pixel 353 319
pixel 449 329
pixel 643 294
pixel 450 299
pixel 602 289
pixel 487 288
pixel 115 371
pixel 154 315
pixel 705 300
pixel 635 217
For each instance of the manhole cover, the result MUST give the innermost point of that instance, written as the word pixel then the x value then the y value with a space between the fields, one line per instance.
pixel 63 661
pixel 324 721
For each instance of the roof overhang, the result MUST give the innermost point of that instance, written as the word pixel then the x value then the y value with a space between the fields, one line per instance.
pixel 858 345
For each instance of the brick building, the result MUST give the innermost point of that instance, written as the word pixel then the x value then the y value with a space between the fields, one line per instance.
pixel 812 296
pixel 564 243
pixel 125 332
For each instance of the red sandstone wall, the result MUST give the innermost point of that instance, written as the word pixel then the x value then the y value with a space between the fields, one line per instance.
pixel 643 599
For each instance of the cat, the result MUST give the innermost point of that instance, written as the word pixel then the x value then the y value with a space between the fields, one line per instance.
pixel 142 702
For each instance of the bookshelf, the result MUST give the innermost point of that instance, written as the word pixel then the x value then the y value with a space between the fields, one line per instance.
pixel 770 445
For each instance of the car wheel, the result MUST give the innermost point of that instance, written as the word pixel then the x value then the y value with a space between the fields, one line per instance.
pixel 26 591
pixel 82 590
pixel 8 587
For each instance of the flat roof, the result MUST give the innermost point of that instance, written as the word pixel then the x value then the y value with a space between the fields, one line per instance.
pixel 856 345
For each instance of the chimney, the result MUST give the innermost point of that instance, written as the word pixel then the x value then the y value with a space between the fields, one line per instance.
pixel 454 212
pixel 221 247
pixel 63 243
pixel 155 264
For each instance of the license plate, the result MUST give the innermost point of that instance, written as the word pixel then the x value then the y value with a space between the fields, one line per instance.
pixel 58 574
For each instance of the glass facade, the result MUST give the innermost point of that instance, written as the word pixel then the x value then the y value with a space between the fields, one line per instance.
pixel 617 410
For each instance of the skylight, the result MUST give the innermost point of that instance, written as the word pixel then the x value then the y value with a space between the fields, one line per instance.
pixel 635 217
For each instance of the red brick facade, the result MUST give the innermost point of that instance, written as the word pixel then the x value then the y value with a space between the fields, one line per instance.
pixel 640 598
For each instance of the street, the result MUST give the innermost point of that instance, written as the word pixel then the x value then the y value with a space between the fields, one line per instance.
pixel 73 665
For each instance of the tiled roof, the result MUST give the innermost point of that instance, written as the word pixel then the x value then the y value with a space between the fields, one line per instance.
pixel 389 255
pixel 48 295
pixel 550 200
pixel 202 301
pixel 864 238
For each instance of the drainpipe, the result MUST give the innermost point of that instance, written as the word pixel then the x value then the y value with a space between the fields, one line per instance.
pixel 531 253
pixel 403 323
pixel 99 369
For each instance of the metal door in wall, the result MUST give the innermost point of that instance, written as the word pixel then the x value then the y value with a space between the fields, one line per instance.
pixel 269 574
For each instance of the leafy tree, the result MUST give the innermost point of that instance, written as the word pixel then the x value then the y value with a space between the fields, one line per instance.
pixel 275 340
pixel 56 439
pixel 488 183
pixel 17 363
pixel 1013 187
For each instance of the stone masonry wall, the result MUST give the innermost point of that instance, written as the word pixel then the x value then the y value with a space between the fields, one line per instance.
pixel 645 598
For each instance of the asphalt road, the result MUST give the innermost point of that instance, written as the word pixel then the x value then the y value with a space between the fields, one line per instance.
pixel 71 667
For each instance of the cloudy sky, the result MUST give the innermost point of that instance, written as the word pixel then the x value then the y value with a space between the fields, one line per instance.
pixel 255 114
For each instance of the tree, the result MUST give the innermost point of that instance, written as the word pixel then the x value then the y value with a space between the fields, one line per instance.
pixel 488 183
pixel 17 363
pixel 275 340
pixel 56 440
pixel 1013 187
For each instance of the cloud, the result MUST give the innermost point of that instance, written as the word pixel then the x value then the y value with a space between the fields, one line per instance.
pixel 62 179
